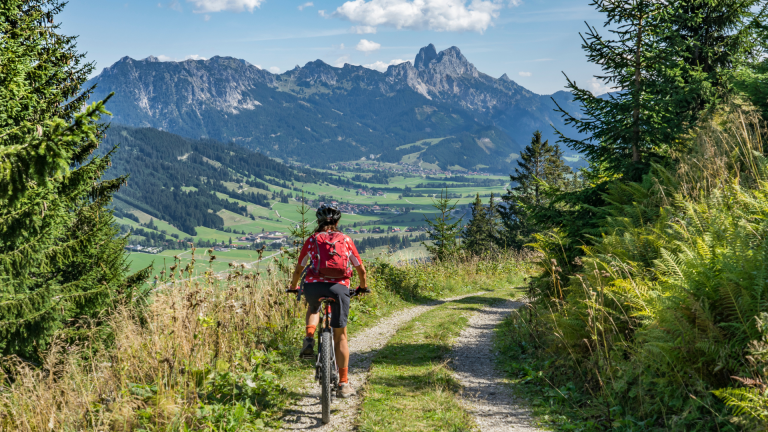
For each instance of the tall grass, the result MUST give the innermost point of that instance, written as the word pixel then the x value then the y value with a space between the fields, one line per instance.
pixel 209 352
pixel 663 313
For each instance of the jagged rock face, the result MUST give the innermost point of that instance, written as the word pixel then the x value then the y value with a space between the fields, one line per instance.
pixel 220 83
pixel 425 57
pixel 360 110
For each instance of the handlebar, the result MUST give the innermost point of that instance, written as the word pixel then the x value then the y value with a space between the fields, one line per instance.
pixel 356 292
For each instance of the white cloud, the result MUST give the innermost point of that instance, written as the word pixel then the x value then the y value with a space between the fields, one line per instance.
pixel 341 60
pixel 175 5
pixel 525 74
pixel 165 58
pixel 207 17
pixel 597 87
pixel 367 46
pixel 381 66
pixel 363 29
pixel 306 5
pixel 437 15
pixel 203 6
pixel 274 69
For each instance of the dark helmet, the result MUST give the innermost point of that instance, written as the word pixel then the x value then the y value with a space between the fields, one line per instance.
pixel 328 214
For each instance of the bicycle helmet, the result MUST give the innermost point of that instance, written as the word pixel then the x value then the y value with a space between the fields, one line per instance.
pixel 327 214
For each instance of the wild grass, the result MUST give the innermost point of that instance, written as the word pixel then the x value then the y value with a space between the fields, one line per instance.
pixel 208 352
pixel 662 315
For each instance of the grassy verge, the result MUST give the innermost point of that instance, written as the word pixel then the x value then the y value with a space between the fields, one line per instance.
pixel 564 407
pixel 411 387
pixel 206 353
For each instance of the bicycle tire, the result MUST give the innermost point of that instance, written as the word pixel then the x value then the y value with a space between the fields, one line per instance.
pixel 326 374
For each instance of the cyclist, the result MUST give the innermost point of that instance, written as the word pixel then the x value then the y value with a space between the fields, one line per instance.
pixel 317 286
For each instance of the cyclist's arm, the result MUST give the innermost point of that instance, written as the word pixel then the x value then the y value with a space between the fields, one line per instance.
pixel 357 263
pixel 300 265
pixel 361 275
pixel 297 275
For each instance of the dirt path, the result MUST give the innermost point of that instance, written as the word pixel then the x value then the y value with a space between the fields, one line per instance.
pixel 363 347
pixel 486 396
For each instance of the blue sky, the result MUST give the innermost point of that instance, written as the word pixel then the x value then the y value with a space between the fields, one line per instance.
pixel 533 41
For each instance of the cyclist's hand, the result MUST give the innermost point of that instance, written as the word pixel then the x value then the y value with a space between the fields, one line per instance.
pixel 360 291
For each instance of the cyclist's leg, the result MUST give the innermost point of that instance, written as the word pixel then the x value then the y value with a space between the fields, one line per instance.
pixel 340 311
pixel 342 347
pixel 312 293
pixel 313 315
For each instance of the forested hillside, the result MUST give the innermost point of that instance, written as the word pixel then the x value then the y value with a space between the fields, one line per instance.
pixel 181 180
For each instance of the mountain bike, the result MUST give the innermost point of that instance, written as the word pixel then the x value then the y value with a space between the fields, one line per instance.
pixel 326 371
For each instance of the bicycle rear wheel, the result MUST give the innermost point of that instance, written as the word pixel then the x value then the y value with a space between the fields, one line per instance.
pixel 326 374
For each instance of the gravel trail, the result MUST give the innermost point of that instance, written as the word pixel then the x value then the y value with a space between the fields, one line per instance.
pixel 363 346
pixel 486 396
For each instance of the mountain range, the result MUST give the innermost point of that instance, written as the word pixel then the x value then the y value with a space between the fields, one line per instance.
pixel 318 114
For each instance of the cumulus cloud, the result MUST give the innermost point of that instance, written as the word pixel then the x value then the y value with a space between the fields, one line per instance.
pixel 165 58
pixel 597 87
pixel 367 46
pixel 274 69
pixel 381 66
pixel 437 15
pixel 203 6
pixel 306 5
pixel 341 60
pixel 363 29
pixel 525 74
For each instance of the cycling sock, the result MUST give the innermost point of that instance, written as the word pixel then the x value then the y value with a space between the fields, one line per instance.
pixel 311 330
pixel 343 375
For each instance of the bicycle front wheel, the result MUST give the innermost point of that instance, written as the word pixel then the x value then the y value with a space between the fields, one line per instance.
pixel 326 374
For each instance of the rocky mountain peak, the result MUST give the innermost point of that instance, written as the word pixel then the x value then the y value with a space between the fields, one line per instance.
pixel 505 77
pixel 425 57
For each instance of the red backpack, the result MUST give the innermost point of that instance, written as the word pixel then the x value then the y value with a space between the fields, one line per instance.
pixel 331 255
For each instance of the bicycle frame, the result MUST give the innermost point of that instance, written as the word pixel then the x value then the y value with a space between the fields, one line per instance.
pixel 326 309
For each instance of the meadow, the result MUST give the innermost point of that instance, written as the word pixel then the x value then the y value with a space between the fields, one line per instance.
pixel 281 217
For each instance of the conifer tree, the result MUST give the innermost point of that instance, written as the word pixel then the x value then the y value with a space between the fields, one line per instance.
pixel 60 259
pixel 443 233
pixel 481 233
pixel 665 64
pixel 541 165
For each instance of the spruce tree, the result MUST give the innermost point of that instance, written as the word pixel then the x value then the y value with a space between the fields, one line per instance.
pixel 481 233
pixel 443 233
pixel 540 166
pixel 60 257
pixel 665 63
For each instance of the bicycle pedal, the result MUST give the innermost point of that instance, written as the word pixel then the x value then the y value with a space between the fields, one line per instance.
pixel 307 356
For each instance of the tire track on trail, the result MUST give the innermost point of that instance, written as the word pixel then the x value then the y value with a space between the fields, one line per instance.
pixel 486 395
pixel 305 414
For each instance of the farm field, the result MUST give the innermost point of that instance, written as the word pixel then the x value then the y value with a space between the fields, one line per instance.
pixel 403 212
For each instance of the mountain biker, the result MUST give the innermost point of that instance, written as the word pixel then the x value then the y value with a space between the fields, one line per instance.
pixel 317 286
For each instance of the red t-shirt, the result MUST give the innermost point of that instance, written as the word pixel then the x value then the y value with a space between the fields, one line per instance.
pixel 305 259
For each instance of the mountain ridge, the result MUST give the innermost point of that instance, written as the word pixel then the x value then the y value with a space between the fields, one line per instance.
pixel 361 111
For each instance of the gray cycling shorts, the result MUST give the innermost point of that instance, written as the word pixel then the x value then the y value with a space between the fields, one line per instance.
pixel 339 309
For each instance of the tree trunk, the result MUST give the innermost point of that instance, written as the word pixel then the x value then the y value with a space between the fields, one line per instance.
pixel 636 112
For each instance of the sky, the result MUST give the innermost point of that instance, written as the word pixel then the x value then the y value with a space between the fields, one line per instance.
pixel 533 41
